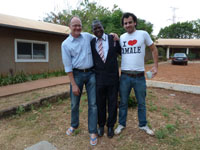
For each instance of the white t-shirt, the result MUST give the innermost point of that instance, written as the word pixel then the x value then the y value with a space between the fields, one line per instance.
pixel 133 50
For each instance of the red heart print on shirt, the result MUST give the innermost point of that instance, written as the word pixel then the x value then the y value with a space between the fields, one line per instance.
pixel 132 42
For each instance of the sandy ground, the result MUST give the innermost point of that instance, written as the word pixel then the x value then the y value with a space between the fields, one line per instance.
pixel 173 115
pixel 165 108
pixel 189 74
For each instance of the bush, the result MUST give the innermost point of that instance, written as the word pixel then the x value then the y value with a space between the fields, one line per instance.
pixel 132 102
pixel 150 61
pixel 20 110
pixel 161 133
pixel 165 132
pixel 22 77
pixel 191 56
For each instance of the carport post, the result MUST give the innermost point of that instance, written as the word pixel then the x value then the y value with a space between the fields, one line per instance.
pixel 187 51
pixel 167 53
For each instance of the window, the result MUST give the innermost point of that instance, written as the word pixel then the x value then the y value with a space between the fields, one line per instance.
pixel 31 51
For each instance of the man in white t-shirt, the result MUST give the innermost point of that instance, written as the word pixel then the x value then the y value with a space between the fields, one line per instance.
pixel 133 44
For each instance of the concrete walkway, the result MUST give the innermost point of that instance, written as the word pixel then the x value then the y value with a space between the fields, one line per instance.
pixel 43 83
pixel 32 85
pixel 174 86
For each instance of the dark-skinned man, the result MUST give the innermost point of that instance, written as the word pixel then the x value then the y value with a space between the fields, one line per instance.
pixel 104 52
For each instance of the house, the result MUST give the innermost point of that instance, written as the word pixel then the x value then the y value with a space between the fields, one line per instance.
pixel 189 46
pixel 30 46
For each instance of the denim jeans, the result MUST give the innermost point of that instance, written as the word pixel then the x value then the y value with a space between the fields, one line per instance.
pixel 139 86
pixel 87 79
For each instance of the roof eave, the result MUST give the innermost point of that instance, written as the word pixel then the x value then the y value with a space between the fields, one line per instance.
pixel 32 29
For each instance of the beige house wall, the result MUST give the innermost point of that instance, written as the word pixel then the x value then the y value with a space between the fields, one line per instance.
pixel 7 52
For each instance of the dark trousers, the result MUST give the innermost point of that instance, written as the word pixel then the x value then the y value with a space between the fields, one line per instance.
pixel 107 100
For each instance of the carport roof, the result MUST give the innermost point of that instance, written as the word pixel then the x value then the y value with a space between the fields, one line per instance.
pixel 178 42
pixel 33 25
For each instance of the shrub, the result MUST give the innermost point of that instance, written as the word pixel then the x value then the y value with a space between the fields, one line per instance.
pixel 191 56
pixel 132 102
pixel 22 77
pixel 150 61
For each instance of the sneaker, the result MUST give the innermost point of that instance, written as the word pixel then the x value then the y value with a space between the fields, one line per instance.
pixel 118 130
pixel 147 130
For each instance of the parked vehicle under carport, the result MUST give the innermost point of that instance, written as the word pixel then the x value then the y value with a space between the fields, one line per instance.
pixel 180 58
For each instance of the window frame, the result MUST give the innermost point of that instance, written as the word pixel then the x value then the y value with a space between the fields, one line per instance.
pixel 32 42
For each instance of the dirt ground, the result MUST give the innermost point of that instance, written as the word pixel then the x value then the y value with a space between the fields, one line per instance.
pixel 168 73
pixel 166 110
pixel 174 116
pixel 23 98
pixel 189 74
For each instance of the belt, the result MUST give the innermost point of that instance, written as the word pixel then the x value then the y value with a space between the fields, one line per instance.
pixel 83 70
pixel 134 75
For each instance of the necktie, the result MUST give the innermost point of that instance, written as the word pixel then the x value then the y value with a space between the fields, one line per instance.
pixel 100 49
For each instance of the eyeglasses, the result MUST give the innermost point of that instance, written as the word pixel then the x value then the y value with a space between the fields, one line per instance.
pixel 77 26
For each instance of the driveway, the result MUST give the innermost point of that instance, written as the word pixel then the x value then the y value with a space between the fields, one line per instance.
pixel 189 74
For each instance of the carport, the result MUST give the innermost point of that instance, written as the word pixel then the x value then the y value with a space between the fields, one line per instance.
pixel 189 46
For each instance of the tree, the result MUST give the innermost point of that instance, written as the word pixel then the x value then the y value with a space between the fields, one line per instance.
pixel 62 18
pixel 147 26
pixel 196 25
pixel 88 12
pixel 184 30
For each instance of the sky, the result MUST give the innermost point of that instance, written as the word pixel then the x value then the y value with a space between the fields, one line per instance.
pixel 160 13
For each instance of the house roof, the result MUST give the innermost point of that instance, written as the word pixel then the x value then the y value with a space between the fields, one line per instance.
pixel 33 25
pixel 178 42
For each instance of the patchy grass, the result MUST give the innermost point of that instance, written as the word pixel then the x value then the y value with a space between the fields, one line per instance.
pixel 175 123
pixel 23 98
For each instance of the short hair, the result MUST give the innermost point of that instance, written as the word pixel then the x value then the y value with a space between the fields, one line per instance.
pixel 94 22
pixel 74 17
pixel 126 15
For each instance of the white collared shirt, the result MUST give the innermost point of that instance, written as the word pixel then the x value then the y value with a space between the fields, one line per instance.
pixel 105 45
pixel 76 52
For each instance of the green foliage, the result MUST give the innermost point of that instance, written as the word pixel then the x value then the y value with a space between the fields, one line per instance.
pixel 191 56
pixel 150 61
pixel 132 102
pixel 76 132
pixel 22 77
pixel 147 26
pixel 20 110
pixel 161 54
pixel 170 128
pixel 161 133
pixel 196 25
pixel 151 106
pixel 181 30
pixel 89 11
pixel 165 132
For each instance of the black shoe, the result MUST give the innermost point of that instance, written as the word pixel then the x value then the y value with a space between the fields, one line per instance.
pixel 110 132
pixel 100 131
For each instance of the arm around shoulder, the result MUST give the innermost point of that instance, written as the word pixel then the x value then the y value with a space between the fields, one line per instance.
pixel 118 47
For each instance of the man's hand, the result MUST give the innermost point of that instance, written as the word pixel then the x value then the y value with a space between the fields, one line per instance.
pixel 116 37
pixel 75 90
pixel 154 71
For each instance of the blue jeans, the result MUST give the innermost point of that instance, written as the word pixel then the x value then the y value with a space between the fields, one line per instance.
pixel 139 86
pixel 87 78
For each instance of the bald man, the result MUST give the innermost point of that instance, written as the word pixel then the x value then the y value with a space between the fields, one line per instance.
pixel 78 63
